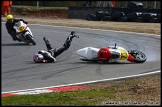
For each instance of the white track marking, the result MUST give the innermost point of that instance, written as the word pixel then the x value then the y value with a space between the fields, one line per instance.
pixel 82 83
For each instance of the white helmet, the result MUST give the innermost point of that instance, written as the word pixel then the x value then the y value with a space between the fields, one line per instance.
pixel 38 57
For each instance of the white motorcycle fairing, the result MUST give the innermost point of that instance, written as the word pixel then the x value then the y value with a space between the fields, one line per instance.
pixel 23 32
pixel 91 53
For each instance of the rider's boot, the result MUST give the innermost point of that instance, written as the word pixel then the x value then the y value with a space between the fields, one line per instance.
pixel 15 38
pixel 69 39
pixel 18 39
pixel 72 35
pixel 48 45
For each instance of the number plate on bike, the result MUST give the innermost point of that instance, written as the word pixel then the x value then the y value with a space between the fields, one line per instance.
pixel 21 28
pixel 124 54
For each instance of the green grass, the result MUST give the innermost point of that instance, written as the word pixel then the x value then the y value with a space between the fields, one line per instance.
pixel 127 90
pixel 80 98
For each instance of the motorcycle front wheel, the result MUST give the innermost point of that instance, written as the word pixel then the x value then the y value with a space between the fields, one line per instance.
pixel 139 57
pixel 29 37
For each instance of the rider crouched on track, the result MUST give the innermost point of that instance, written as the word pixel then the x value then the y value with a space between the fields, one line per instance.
pixel 50 55
pixel 10 26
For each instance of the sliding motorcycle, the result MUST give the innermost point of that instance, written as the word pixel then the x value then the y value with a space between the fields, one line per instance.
pixel 117 54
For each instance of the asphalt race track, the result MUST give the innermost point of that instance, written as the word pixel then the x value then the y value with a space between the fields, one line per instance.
pixel 20 72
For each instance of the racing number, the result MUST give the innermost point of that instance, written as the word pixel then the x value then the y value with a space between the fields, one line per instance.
pixel 21 28
pixel 124 55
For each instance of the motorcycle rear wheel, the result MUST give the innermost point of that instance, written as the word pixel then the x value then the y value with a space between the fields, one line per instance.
pixel 139 57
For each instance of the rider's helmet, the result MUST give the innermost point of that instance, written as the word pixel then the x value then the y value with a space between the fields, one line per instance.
pixel 9 18
pixel 38 57
pixel 104 54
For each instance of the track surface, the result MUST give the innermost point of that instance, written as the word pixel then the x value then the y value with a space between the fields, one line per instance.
pixel 19 72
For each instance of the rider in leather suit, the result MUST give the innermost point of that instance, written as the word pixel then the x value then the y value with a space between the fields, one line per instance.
pixel 10 26
pixel 50 55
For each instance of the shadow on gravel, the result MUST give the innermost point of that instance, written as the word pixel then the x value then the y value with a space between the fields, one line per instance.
pixel 17 44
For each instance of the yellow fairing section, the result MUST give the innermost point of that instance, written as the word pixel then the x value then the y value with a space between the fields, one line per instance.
pixel 21 28
pixel 124 54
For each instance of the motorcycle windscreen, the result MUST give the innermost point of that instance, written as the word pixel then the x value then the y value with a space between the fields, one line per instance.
pixel 88 53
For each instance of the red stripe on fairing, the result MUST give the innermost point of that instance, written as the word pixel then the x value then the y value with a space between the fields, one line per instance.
pixel 130 58
pixel 7 95
pixel 67 88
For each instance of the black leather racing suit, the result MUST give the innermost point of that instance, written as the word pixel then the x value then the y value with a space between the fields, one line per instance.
pixel 51 54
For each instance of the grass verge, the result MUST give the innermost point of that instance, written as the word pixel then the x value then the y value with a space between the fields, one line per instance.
pixel 135 91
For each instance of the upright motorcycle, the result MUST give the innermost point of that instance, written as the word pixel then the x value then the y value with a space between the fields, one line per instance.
pixel 91 54
pixel 24 33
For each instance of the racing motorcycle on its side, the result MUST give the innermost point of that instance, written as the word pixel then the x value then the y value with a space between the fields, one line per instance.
pixel 24 33
pixel 91 54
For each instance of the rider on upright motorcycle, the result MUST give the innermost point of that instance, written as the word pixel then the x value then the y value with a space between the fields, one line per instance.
pixel 49 56
pixel 10 26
